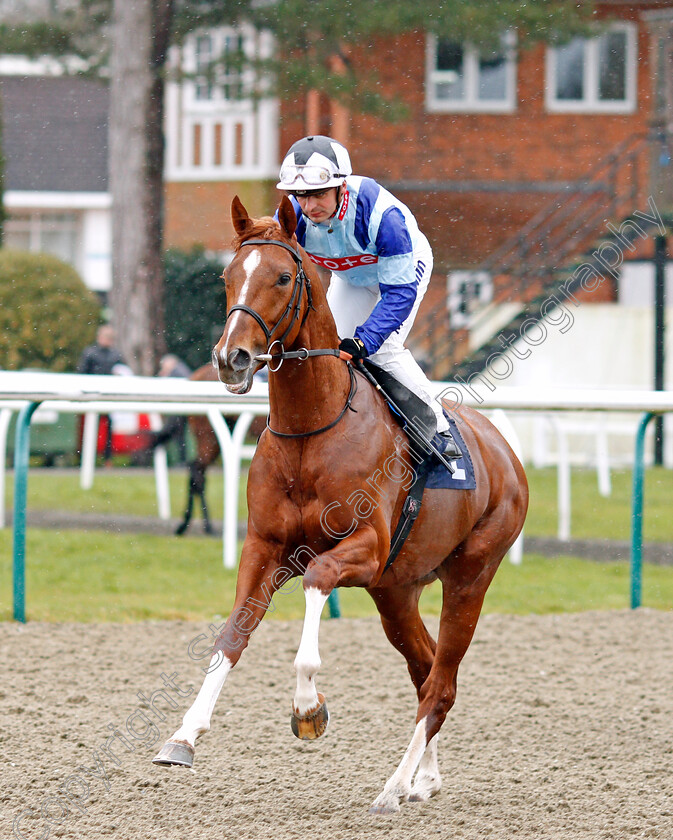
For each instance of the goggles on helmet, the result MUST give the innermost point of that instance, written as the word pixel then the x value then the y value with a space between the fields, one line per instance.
pixel 314 176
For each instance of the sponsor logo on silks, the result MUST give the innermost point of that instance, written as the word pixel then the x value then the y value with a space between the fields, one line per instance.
pixel 344 205
pixel 344 263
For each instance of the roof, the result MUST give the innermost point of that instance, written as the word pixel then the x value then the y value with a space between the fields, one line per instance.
pixel 54 133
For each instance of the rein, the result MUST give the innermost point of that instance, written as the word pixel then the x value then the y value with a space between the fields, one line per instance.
pixel 300 281
pixel 349 400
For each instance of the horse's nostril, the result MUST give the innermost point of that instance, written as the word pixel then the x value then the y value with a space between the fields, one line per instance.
pixel 239 359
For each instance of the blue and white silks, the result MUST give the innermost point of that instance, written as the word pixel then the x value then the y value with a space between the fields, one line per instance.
pixel 371 242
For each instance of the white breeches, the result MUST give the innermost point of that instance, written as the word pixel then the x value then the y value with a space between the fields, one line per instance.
pixel 352 305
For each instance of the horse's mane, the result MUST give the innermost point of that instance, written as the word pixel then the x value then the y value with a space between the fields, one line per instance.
pixel 265 227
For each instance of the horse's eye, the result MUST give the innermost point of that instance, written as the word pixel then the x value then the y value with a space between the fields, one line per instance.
pixel 284 279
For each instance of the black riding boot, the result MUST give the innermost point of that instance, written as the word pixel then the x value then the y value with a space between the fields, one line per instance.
pixel 451 449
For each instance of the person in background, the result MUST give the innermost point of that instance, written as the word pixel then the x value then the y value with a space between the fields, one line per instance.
pixel 171 365
pixel 175 427
pixel 99 359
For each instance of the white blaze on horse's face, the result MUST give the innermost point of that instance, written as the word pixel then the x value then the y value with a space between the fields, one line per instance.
pixel 233 363
pixel 250 265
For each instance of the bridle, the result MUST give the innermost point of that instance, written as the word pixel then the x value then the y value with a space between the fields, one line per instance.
pixel 301 282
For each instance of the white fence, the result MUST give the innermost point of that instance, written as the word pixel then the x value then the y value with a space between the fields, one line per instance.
pixel 103 394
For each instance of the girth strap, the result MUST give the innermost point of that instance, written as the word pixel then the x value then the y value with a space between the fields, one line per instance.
pixel 410 510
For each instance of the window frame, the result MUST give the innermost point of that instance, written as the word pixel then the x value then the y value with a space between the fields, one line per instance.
pixel 37 225
pixel 470 103
pixel 221 138
pixel 468 292
pixel 217 99
pixel 590 103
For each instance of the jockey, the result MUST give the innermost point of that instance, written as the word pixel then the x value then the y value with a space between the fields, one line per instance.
pixel 380 261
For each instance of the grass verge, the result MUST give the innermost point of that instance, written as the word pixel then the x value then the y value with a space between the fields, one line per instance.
pixel 94 576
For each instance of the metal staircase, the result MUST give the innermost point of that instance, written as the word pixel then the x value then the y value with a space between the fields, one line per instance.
pixel 541 257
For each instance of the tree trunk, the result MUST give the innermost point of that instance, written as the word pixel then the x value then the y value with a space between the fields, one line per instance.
pixel 3 216
pixel 140 33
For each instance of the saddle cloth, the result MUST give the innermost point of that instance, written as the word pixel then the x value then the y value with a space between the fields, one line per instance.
pixel 463 478
pixel 412 406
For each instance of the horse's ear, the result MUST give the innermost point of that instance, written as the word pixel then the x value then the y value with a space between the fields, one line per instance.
pixel 239 216
pixel 287 217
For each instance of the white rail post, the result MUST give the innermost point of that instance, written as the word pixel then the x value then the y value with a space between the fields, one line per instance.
pixel 504 425
pixel 161 471
pixel 603 460
pixel 563 480
pixel 89 446
pixel 5 419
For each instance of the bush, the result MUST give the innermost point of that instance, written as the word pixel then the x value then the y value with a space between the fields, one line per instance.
pixel 47 315
pixel 195 304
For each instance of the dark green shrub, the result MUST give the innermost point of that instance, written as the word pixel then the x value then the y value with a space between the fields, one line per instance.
pixel 47 315
pixel 195 304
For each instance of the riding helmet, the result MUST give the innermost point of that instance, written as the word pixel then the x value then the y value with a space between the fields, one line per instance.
pixel 314 163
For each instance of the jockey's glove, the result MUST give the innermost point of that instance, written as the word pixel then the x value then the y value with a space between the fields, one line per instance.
pixel 355 348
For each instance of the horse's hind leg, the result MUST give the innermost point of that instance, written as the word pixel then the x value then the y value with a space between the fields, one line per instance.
pixel 207 526
pixel 195 486
pixel 406 631
pixel 465 577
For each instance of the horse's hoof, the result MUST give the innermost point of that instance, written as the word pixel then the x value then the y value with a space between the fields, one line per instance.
pixel 175 753
pixel 312 725
pixel 384 808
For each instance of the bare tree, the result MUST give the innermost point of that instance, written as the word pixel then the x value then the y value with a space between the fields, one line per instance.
pixel 139 43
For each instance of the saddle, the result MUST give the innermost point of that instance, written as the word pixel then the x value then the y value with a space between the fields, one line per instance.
pixel 420 425
pixel 417 419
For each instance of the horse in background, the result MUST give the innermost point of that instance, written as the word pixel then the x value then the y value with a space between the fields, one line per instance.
pixel 207 452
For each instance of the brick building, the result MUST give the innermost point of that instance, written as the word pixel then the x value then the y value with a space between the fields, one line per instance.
pixel 514 162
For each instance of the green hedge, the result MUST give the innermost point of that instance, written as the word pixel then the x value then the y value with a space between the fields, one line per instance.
pixel 195 304
pixel 47 315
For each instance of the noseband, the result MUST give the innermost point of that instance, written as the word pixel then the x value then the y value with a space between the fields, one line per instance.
pixel 300 281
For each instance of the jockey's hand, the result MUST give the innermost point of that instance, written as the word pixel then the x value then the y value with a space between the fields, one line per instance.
pixel 354 347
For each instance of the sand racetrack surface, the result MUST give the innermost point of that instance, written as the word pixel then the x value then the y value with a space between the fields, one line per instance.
pixel 561 729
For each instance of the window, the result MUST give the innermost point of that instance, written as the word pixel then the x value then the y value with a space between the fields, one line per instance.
pixel 594 74
pixel 468 292
pixel 231 76
pixel 221 120
pixel 49 233
pixel 461 78
pixel 203 88
pixel 217 60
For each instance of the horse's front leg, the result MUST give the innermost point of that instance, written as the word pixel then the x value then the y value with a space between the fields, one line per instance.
pixel 259 577
pixel 353 562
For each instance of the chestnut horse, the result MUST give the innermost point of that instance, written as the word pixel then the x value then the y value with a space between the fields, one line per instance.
pixel 326 488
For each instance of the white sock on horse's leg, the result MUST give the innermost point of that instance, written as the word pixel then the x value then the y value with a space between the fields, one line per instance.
pixel 428 780
pixel 307 660
pixel 398 786
pixel 197 718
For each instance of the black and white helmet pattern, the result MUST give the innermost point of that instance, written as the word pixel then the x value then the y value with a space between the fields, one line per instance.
pixel 314 163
